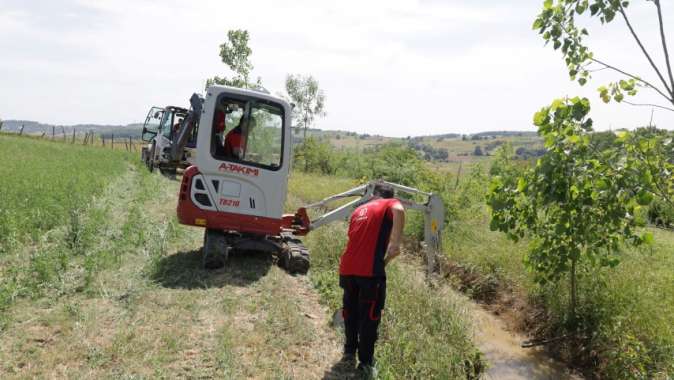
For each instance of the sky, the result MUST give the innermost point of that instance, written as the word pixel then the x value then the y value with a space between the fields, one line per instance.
pixel 389 67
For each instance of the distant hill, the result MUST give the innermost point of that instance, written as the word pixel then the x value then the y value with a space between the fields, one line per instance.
pixel 134 130
pixel 504 134
pixel 34 127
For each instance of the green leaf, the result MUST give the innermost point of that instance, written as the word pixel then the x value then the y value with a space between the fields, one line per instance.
pixel 574 192
pixel 547 4
pixel 521 184
pixel 594 8
pixel 580 8
pixel 540 117
pixel 644 198
pixel 647 238
pixel 582 81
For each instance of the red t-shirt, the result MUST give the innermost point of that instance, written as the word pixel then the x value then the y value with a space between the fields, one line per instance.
pixel 234 141
pixel 219 124
pixel 369 232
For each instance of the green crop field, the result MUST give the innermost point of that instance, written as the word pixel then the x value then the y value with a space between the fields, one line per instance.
pixel 46 183
pixel 51 210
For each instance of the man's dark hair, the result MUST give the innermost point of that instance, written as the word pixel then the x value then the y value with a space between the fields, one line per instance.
pixel 383 190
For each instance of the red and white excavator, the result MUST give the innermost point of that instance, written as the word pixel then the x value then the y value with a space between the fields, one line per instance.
pixel 236 189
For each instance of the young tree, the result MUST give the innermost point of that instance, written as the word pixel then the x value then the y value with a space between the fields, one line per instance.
pixel 577 204
pixel 308 98
pixel 235 53
pixel 557 23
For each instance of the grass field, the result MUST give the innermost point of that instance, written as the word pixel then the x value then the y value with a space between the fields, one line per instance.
pixel 50 211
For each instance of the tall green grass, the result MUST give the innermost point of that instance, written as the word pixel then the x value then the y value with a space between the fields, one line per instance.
pixel 46 211
pixel 45 184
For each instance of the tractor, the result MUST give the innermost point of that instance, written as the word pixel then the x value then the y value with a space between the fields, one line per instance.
pixel 237 184
pixel 160 131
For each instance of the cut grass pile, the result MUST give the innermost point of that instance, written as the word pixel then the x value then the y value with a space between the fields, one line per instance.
pixel 423 334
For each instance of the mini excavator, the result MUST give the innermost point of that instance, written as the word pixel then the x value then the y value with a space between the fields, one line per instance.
pixel 237 184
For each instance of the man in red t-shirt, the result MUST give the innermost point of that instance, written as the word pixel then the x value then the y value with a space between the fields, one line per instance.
pixel 235 141
pixel 375 231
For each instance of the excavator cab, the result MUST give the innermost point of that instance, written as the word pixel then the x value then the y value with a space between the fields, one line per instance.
pixel 243 159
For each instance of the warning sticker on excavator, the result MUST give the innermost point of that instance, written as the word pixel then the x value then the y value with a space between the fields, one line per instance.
pixel 434 225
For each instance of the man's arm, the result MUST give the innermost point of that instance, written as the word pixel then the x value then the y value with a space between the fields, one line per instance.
pixel 393 249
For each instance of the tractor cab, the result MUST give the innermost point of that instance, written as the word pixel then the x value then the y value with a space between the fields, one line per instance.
pixel 160 131
pixel 240 178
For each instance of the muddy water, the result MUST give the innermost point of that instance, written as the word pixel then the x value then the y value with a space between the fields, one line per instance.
pixel 507 359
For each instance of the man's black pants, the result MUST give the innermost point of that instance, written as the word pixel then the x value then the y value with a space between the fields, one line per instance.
pixel 364 299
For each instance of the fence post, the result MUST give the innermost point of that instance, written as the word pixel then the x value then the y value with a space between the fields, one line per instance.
pixel 21 131
pixel 103 139
pixel 72 142
pixel 63 129
pixel 53 132
pixel 112 141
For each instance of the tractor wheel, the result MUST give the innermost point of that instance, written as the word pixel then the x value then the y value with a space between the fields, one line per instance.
pixel 215 249
pixel 150 160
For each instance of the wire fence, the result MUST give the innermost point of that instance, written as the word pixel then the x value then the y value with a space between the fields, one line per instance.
pixel 84 137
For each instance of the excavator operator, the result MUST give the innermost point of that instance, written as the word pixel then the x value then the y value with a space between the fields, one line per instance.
pixel 234 144
pixel 235 141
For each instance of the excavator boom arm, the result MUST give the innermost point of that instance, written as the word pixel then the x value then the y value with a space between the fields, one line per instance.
pixel 186 127
pixel 433 210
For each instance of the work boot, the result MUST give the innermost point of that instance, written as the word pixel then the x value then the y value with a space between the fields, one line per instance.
pixel 349 359
pixel 367 371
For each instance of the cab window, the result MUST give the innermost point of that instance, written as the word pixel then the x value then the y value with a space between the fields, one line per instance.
pixel 249 131
pixel 167 124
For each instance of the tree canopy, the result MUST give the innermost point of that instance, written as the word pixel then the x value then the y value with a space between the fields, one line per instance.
pixel 558 24
pixel 308 98
pixel 235 53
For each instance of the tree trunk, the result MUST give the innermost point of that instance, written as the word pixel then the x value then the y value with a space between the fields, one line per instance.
pixel 574 290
